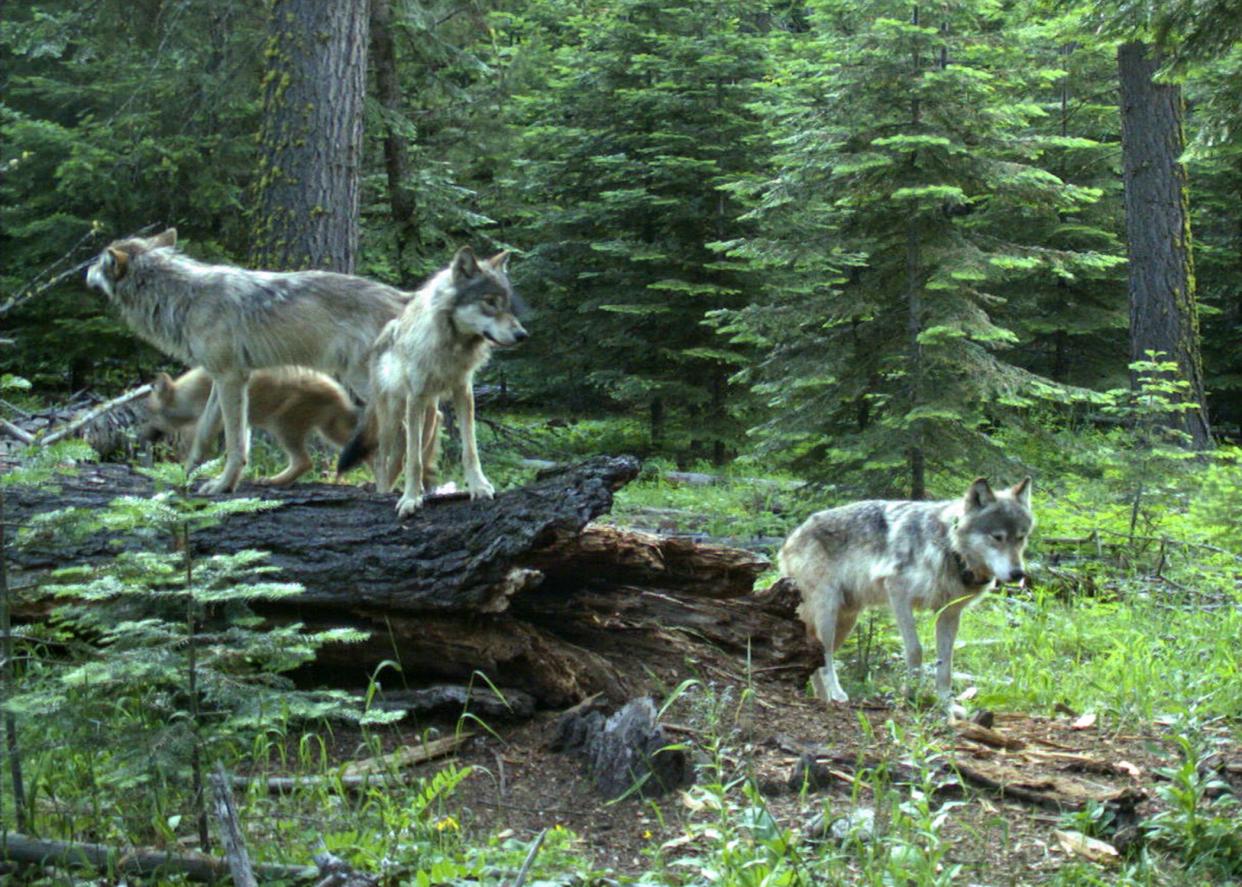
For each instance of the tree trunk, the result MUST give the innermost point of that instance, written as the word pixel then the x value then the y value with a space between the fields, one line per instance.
pixel 1163 311
pixel 388 91
pixel 307 195
pixel 914 305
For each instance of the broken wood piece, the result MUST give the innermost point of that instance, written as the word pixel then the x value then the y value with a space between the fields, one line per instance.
pixel 482 701
pixel 360 774
pixel 626 752
pixel 230 830
pixel 987 736
pixel 336 872
pixel 1091 849
pixel 406 757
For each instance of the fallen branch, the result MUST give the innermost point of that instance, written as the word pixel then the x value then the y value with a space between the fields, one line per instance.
pixel 230 830
pixel 20 433
pixel 367 772
pixel 93 414
pixel 530 858
pixel 110 860
pixel 33 289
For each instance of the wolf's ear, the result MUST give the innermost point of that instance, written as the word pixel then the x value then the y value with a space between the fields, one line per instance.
pixel 118 263
pixel 167 237
pixel 1022 492
pixel 500 262
pixel 162 385
pixel 465 265
pixel 980 494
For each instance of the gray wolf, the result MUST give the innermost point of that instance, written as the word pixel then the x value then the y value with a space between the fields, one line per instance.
pixel 939 556
pixel 445 333
pixel 290 403
pixel 231 321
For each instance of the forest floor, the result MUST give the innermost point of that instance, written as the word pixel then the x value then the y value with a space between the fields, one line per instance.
pixel 1004 805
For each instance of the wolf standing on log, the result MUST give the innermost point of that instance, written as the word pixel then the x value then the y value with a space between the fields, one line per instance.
pixel 939 556
pixel 231 321
pixel 432 350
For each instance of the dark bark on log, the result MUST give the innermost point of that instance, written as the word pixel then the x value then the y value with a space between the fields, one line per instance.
pixel 519 589
pixel 346 546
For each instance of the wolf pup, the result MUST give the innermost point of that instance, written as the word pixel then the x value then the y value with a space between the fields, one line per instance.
pixel 290 403
pixel 231 321
pixel 927 555
pixel 432 350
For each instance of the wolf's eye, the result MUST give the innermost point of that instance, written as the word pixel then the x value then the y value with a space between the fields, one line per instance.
pixel 998 536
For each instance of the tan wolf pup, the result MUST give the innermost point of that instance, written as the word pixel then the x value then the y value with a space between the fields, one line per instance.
pixel 290 403
pixel 431 351
pixel 231 321
pixel 939 556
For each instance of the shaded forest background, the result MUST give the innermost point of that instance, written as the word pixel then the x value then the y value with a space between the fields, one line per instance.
pixel 870 241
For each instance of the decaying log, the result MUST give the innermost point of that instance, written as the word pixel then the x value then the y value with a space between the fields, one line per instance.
pixel 346 546
pixel 455 699
pixel 521 589
pixel 631 557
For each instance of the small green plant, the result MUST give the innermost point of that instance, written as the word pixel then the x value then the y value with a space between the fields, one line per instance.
pixel 1200 823
pixel 171 658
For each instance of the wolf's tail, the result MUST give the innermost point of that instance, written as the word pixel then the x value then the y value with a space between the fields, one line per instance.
pixel 362 444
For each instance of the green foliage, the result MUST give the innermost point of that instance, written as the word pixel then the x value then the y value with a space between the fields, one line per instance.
pixel 1201 821
pixel 625 144
pixel 115 116
pixel 167 650
pixel 909 198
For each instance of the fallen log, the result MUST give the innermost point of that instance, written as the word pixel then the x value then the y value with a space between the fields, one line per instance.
pixel 522 589
pixel 346 546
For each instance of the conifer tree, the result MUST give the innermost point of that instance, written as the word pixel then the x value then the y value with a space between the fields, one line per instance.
pixel 909 160
pixel 642 116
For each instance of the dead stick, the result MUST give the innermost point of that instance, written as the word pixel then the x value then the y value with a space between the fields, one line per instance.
pixel 20 433
pixel 530 859
pixel 90 416
pixel 230 830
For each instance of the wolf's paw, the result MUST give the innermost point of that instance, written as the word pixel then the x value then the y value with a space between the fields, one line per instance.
pixel 829 696
pixel 407 505
pixel 216 486
pixel 480 488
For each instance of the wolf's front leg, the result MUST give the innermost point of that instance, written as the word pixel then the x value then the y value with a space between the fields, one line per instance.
pixel 232 393
pixel 412 498
pixel 946 633
pixel 901 600
pixel 463 402
pixel 206 431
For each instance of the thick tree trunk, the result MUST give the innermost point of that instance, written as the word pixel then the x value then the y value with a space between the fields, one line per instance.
pixel 388 91
pixel 307 195
pixel 1163 311
pixel 519 588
